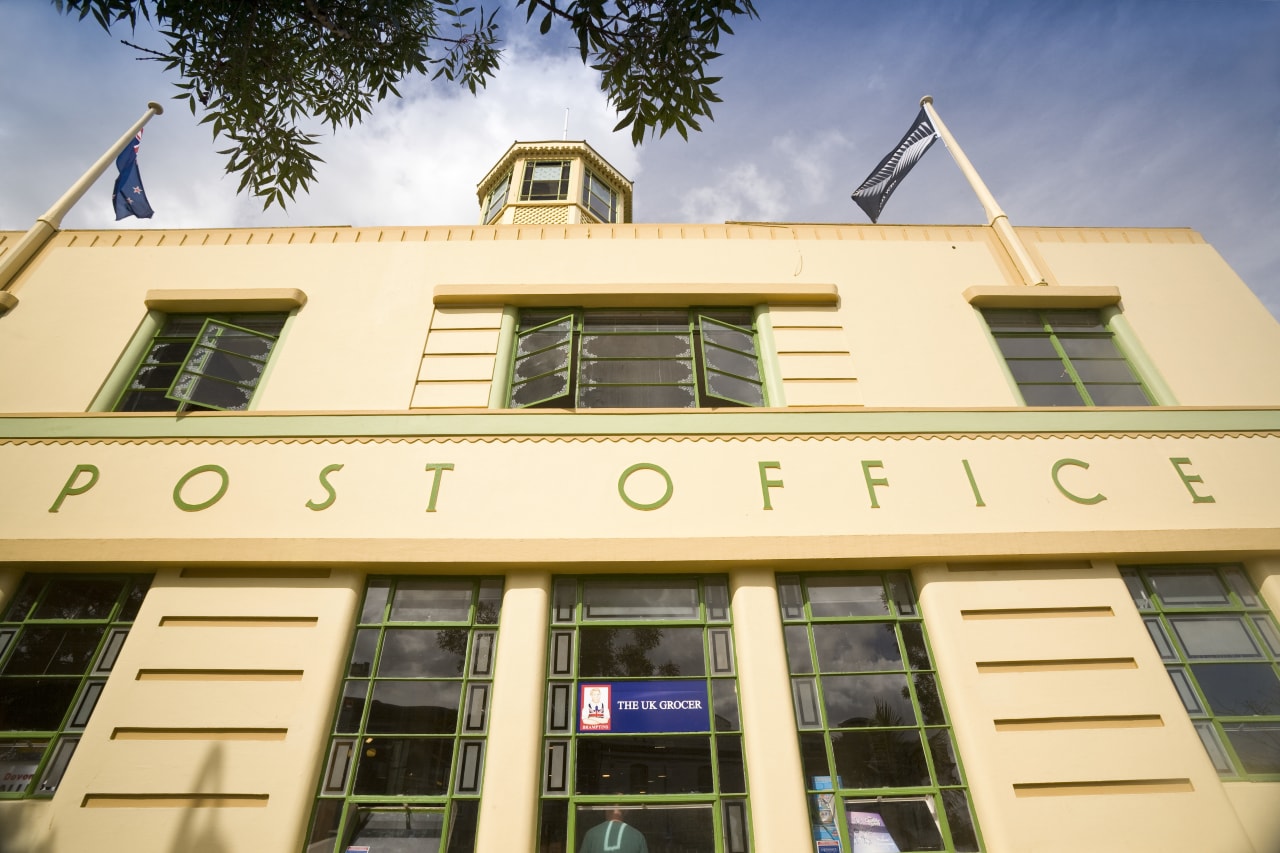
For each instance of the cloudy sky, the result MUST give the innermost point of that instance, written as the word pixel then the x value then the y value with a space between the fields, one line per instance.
pixel 1075 112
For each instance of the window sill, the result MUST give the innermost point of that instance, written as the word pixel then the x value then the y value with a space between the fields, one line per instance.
pixel 1003 296
pixel 635 295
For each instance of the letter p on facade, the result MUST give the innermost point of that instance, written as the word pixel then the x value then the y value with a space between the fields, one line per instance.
pixel 70 489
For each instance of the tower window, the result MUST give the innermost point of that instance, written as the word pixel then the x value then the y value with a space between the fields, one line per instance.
pixel 545 180
pixel 599 198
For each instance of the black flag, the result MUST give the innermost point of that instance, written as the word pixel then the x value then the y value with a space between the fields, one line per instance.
pixel 884 179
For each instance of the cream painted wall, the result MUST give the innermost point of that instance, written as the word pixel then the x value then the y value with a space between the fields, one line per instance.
pixel 1067 723
pixel 358 342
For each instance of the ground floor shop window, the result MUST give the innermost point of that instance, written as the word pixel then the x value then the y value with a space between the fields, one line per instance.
pixel 60 637
pixel 406 757
pixel 643 739
pixel 1221 647
pixel 880 764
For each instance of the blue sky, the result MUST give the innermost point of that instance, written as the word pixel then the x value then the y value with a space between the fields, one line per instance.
pixel 1110 113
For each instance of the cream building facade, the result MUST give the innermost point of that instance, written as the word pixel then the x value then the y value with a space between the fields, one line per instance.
pixel 812 507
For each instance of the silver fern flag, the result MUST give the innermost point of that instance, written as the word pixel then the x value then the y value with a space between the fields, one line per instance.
pixel 884 178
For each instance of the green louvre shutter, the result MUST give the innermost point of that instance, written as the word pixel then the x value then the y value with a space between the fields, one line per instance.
pixel 223 367
pixel 543 364
pixel 729 356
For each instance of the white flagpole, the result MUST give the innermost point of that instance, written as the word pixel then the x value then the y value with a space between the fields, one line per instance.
pixel 996 217
pixel 48 224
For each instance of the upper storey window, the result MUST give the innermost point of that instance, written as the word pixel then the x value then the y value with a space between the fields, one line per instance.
pixel 203 361
pixel 545 180
pixel 659 358
pixel 497 198
pixel 599 198
pixel 1064 358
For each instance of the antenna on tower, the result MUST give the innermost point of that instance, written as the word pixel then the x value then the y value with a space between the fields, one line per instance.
pixel 566 122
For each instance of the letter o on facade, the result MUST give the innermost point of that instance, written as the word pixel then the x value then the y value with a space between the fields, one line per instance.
pixel 645 466
pixel 217 496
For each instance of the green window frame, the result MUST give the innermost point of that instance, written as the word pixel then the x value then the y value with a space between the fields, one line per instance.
pixel 407 749
pixel 1065 357
pixel 636 358
pixel 60 637
pixel 497 199
pixel 877 752
pixel 692 784
pixel 545 180
pixel 599 198
pixel 1221 647
pixel 203 362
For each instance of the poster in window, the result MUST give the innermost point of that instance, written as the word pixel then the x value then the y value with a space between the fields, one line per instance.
pixel 868 833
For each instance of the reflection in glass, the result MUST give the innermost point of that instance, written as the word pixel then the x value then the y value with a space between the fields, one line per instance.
pixel 960 820
pixel 944 757
pixel 371 826
pixel 857 647
pixel 423 652
pixel 917 651
pixel 835 597
pixel 909 822
pixel 640 599
pixel 1257 745
pixel 375 600
pixel 54 650
pixel 929 698
pixel 79 598
pixel 797 641
pixel 687 826
pixel 429 600
pixel 1239 689
pixel 733 779
pixel 1214 637
pixel 352 708
pixel 880 759
pixel 664 764
pixel 414 707
pixel 724 700
pixel 858 701
pixel 366 646
pixel 813 761
pixel 401 766
pixel 640 652
pixel 1188 588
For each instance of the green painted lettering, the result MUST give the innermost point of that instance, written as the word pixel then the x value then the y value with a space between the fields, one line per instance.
pixel 872 482
pixel 439 468
pixel 70 489
pixel 328 487
pixel 203 469
pixel 1188 479
pixel 973 484
pixel 1076 463
pixel 766 484
pixel 645 466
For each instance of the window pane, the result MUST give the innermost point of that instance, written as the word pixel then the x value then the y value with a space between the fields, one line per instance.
pixel 462 826
pixel 404 766
pixel 892 824
pixel 1075 320
pixel 636 397
pixel 351 711
pixel 1182 683
pixel 1118 395
pixel 1104 370
pixel 79 599
pixel 880 759
pixel 375 600
pixel 857 701
pixel 54 650
pixel 18 763
pixel 733 779
pixel 1257 745
pixel 960 819
pixel 917 651
pixel 1239 689
pixel 671 345
pixel 362 654
pixel 797 641
pixel 1028 347
pixel 1137 591
pixel 813 761
pixel 664 827
pixel 863 647
pixel 640 599
pixel 644 765
pixel 834 597
pixel 640 652
pixel 414 707
pixel 1039 370
pixel 1020 319
pixel 1188 588
pixel 431 601
pixel 423 653
pixel 1270 635
pixel 1051 395
pixel 733 389
pixel 35 704
pixel 943 752
pixel 374 827
pixel 929 698
pixel 724 698
pixel 1214 636
pixel 1213 746
pixel 1161 640
pixel 550 388
pixel 1091 347
pixel 1241 587
pixel 636 372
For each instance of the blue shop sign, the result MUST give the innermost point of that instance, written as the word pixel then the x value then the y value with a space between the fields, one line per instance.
pixel 643 706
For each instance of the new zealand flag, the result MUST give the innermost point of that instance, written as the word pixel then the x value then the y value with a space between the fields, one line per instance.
pixel 129 198
pixel 884 178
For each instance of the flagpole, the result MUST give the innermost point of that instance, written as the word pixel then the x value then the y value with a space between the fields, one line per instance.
pixel 996 217
pixel 48 224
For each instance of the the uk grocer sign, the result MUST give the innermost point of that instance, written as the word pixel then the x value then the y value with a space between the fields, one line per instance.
pixel 643 706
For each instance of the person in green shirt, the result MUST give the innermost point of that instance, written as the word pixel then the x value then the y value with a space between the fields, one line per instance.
pixel 614 836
